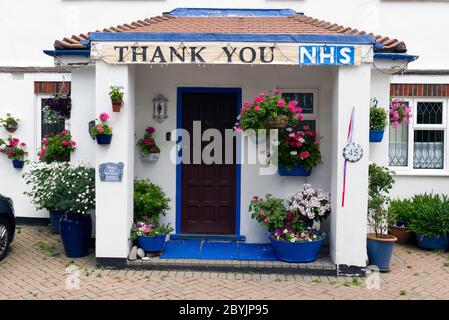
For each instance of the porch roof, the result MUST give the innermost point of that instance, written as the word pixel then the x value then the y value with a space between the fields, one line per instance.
pixel 282 25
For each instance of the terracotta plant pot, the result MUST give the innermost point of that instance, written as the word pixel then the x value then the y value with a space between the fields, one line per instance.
pixel 404 235
pixel 117 105
pixel 279 122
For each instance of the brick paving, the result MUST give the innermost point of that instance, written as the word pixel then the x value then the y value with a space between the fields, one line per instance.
pixel 36 269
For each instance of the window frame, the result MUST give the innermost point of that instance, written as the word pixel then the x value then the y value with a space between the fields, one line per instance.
pixel 38 118
pixel 413 125
pixel 307 116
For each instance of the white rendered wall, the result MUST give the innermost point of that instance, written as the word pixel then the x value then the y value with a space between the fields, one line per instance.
pixel 114 200
pixel 18 98
pixel 164 80
pixel 419 24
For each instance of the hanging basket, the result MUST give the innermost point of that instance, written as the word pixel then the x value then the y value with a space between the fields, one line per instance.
pixel 278 122
pixel 11 129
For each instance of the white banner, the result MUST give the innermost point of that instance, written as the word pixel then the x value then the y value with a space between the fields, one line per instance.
pixel 226 53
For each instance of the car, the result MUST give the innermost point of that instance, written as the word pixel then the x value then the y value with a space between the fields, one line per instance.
pixel 7 225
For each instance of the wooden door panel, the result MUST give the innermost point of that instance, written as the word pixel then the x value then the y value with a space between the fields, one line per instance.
pixel 209 191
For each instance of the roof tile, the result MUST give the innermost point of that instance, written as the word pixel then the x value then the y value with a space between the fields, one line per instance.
pixel 297 24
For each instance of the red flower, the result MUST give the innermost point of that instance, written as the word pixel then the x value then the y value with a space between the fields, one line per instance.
pixel 65 143
pixel 150 130
pixel 303 155
pixel 73 143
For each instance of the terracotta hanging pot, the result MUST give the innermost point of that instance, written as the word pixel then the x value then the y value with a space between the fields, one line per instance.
pixel 117 105
pixel 278 122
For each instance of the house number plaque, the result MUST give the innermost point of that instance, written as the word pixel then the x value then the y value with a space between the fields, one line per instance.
pixel 110 171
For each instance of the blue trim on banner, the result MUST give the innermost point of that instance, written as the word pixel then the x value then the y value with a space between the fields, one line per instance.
pixel 237 37
pixel 224 12
pixel 54 53
pixel 179 110
pixel 396 56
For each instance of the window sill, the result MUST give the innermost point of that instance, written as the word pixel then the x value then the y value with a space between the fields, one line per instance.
pixel 420 173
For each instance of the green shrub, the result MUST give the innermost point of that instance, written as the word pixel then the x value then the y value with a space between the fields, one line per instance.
pixel 380 182
pixel 401 211
pixel 377 119
pixel 149 200
pixel 430 215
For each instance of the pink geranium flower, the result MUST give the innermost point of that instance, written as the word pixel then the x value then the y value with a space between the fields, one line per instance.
pixel 73 143
pixel 304 155
pixel 104 116
pixel 150 130
pixel 281 103
pixel 100 128
pixel 257 108
pixel 277 91
pixel 65 143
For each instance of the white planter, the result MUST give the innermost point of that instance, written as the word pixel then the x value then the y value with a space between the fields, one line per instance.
pixel 151 157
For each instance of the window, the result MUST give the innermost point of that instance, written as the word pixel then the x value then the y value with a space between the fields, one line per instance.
pixel 51 122
pixel 307 100
pixel 420 145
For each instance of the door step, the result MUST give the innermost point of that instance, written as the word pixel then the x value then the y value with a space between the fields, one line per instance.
pixel 212 237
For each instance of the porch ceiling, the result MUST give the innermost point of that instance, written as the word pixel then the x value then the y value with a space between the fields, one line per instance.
pixel 235 21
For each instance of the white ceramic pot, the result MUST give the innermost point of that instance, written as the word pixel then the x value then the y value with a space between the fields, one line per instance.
pixel 151 157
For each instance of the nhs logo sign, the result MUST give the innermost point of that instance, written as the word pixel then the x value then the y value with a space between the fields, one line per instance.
pixel 326 55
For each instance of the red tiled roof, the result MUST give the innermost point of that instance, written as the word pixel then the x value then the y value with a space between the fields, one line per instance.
pixel 297 24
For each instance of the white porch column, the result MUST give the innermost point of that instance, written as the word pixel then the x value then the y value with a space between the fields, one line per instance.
pixel 114 209
pixel 380 89
pixel 349 223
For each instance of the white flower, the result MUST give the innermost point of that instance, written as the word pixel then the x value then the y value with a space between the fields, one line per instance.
pixel 289 129
pixel 293 152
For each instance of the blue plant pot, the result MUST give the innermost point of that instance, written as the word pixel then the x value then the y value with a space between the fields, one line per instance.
pixel 380 251
pixel 376 135
pixel 103 138
pixel 55 218
pixel 295 171
pixel 434 243
pixel 76 231
pixel 152 244
pixel 296 251
pixel 18 164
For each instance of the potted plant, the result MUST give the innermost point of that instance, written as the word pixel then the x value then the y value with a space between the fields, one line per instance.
pixel 116 96
pixel 149 151
pixel 291 238
pixel 267 112
pixel 150 235
pixel 10 123
pixel 15 151
pixel 102 132
pixel 430 220
pixel 298 152
pixel 46 192
pixel 377 124
pixel 150 203
pixel 57 147
pixel 400 113
pixel 77 185
pixel 401 212
pixel 379 243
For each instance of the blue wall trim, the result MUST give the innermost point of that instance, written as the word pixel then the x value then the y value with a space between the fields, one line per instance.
pixel 179 113
pixel 226 12
pixel 54 53
pixel 237 37
pixel 396 56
